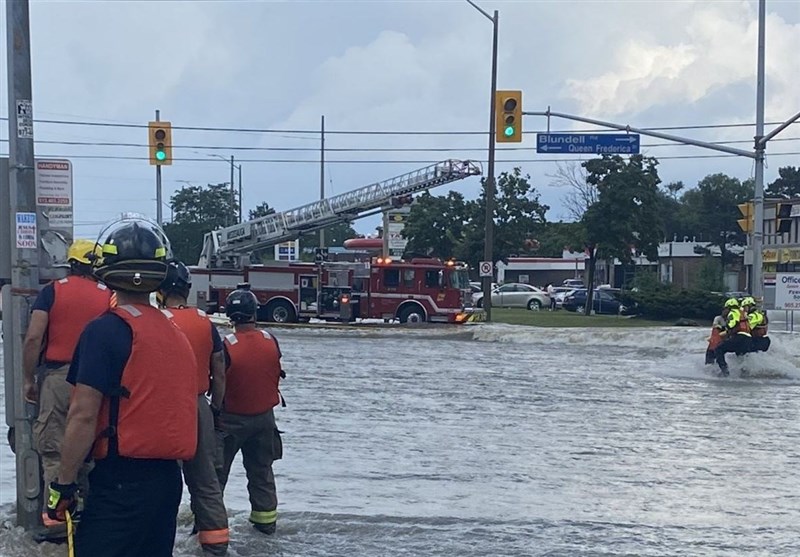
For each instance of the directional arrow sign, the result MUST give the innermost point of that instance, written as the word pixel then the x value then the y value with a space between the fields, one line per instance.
pixel 595 144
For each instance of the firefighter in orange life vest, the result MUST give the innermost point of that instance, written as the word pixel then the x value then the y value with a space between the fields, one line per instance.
pixel 134 407
pixel 61 311
pixel 211 518
pixel 758 323
pixel 247 421
pixel 737 336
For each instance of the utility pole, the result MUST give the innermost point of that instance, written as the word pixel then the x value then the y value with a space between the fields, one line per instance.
pixel 233 190
pixel 159 218
pixel 24 254
pixel 322 174
pixel 760 147
pixel 240 192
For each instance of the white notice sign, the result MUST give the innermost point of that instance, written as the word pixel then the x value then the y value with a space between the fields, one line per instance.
pixel 53 183
pixel 787 291
pixel 26 230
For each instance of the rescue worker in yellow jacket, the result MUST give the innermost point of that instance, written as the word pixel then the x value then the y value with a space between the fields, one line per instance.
pixel 199 473
pixel 61 311
pixel 247 421
pixel 134 407
pixel 737 337
pixel 758 324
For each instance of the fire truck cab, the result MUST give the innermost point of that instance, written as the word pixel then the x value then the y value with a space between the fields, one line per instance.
pixel 416 291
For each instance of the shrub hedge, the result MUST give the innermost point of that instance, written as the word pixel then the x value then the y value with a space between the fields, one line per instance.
pixel 669 302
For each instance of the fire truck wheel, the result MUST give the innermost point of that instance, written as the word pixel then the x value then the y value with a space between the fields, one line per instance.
pixel 412 313
pixel 280 311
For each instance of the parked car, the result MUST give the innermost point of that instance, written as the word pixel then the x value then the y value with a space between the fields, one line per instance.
pixel 561 293
pixel 517 295
pixel 573 283
pixel 604 301
pixel 477 291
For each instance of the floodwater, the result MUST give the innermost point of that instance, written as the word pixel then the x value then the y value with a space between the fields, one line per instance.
pixel 491 440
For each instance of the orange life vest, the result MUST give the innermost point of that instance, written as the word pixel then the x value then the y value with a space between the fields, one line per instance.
pixel 252 379
pixel 154 415
pixel 716 338
pixel 78 300
pixel 194 323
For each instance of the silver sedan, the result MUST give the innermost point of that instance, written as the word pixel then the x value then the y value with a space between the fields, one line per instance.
pixel 517 295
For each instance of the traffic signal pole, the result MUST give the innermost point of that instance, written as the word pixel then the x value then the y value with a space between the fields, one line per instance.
pixel 489 183
pixel 159 218
pixel 24 250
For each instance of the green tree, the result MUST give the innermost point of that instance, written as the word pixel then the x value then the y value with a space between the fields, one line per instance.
pixel 436 225
pixel 556 236
pixel 519 216
pixel 626 218
pixel 198 210
pixel 448 226
pixel 712 211
pixel 262 210
pixel 787 184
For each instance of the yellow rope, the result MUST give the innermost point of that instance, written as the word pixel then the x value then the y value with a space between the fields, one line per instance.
pixel 70 543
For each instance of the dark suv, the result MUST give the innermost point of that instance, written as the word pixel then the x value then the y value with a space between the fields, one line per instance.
pixel 604 301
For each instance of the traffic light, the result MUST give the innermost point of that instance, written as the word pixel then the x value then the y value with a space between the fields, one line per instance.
pixel 508 117
pixel 746 224
pixel 783 214
pixel 160 135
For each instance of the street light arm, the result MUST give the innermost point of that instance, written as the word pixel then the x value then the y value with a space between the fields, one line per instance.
pixel 486 15
pixel 668 137
pixel 762 142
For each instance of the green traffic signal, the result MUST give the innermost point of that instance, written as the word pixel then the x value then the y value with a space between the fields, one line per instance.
pixel 509 131
pixel 161 155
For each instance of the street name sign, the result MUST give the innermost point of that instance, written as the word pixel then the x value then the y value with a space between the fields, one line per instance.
pixel 589 143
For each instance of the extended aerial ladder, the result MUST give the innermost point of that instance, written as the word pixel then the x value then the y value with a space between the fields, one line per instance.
pixel 221 248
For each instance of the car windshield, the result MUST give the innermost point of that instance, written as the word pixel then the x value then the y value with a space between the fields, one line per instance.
pixel 459 278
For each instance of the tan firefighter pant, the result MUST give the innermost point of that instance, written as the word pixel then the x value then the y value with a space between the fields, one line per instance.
pixel 210 516
pixel 260 442
pixel 48 429
pixel 50 424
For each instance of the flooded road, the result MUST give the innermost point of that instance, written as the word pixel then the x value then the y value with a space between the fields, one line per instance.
pixel 505 440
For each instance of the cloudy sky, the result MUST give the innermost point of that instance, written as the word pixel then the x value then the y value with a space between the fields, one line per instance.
pixel 386 65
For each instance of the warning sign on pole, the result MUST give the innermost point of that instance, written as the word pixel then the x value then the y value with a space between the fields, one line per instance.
pixel 486 268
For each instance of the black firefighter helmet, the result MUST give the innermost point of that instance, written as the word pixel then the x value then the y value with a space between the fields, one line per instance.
pixel 241 306
pixel 178 281
pixel 134 252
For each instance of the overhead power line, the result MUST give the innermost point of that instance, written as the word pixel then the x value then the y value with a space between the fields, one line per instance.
pixel 364 132
pixel 349 149
pixel 367 161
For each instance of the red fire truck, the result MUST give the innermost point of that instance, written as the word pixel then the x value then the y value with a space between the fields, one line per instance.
pixel 420 290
